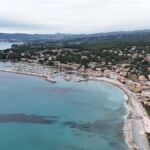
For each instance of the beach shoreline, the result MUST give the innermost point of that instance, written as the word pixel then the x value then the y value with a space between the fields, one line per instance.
pixel 128 126
pixel 127 123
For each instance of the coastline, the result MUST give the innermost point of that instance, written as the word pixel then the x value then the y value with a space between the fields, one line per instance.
pixel 47 78
pixel 128 120
pixel 127 129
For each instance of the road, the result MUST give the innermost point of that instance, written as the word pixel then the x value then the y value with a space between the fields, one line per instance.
pixel 139 138
pixel 138 131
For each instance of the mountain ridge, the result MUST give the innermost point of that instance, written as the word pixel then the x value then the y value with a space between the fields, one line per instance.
pixel 69 36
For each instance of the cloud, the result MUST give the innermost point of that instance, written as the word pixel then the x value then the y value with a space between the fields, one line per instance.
pixel 75 16
pixel 4 23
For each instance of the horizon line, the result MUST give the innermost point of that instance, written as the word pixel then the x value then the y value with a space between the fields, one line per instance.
pixel 75 33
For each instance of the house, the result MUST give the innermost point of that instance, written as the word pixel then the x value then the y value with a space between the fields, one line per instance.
pixel 92 65
pixel 125 65
pixel 147 58
pixel 106 73
pixel 84 57
pixel 56 63
pixel 113 75
pixel 146 93
pixel 148 83
pixel 142 78
pixel 136 87
pixel 124 73
pixel 149 77
pixel 98 69
pixel 67 66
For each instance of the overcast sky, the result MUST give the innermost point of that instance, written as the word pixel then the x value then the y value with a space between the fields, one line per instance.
pixel 73 16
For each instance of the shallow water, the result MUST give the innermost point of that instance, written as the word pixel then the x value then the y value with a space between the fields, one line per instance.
pixel 38 115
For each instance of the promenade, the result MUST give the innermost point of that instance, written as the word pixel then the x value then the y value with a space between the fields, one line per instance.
pixel 134 128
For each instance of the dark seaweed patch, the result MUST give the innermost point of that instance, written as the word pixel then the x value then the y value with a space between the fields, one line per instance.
pixel 27 118
pixel 89 127
pixel 99 126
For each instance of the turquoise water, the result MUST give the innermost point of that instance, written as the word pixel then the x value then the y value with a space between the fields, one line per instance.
pixel 38 115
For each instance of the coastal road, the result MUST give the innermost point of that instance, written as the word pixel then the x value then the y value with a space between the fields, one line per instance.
pixel 137 114
pixel 139 135
pixel 138 131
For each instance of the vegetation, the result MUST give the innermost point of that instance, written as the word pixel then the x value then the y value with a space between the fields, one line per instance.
pixel 105 49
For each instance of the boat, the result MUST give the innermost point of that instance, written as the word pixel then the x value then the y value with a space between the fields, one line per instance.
pixel 50 79
pixel 67 78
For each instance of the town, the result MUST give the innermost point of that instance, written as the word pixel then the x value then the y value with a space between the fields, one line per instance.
pixel 130 66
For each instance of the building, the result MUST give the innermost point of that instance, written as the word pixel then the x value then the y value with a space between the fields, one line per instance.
pixel 136 87
pixel 113 75
pixel 92 65
pixel 67 66
pixel 146 93
pixel 149 77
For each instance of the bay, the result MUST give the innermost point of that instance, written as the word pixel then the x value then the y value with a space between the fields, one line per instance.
pixel 38 115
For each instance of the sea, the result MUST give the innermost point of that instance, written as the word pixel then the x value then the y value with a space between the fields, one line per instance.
pixel 6 45
pixel 38 115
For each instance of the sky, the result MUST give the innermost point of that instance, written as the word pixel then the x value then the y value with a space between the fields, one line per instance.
pixel 73 16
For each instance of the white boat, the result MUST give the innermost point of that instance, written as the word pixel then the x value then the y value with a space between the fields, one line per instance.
pixel 67 78
pixel 80 79
pixel 50 79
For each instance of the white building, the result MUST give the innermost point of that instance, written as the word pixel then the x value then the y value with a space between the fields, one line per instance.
pixel 92 65
pixel 113 75
pixel 146 93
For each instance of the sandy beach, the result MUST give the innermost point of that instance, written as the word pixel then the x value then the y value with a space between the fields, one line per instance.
pixel 134 125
